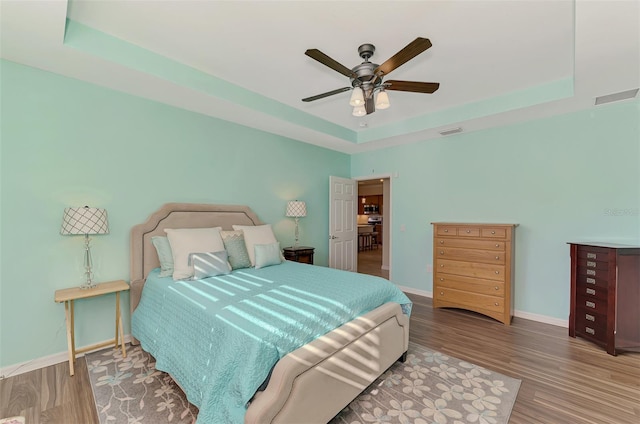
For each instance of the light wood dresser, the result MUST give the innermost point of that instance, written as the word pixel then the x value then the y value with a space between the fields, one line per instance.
pixel 473 268
pixel 605 295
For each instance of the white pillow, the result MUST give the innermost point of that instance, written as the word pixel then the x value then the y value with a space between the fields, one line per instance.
pixel 185 241
pixel 256 234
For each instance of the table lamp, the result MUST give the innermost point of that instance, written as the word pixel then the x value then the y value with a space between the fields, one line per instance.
pixel 296 209
pixel 85 221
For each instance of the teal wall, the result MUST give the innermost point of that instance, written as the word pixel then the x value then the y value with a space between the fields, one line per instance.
pixel 574 177
pixel 68 143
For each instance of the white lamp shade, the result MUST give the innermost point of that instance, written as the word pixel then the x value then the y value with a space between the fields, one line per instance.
pixel 84 220
pixel 357 97
pixel 359 111
pixel 382 100
pixel 296 209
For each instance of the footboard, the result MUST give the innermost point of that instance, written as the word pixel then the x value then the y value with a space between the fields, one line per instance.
pixel 315 382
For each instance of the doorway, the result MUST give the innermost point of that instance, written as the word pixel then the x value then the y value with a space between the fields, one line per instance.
pixel 373 227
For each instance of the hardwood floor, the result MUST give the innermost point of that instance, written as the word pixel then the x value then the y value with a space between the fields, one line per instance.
pixel 564 380
pixel 370 262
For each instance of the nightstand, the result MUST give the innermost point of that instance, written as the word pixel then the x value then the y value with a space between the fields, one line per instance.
pixel 69 295
pixel 302 254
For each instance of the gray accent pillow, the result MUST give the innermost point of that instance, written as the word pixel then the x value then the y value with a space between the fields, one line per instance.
pixel 236 249
pixel 165 256
pixel 209 264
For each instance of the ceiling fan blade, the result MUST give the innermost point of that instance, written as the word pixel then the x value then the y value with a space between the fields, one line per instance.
pixel 415 87
pixel 412 49
pixel 327 61
pixel 369 105
pixel 327 94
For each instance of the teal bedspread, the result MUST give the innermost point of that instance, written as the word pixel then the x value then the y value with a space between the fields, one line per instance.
pixel 220 337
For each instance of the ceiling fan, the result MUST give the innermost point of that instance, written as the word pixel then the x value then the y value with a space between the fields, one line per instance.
pixel 367 78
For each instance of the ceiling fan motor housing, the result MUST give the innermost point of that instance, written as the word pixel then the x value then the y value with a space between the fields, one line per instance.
pixel 366 79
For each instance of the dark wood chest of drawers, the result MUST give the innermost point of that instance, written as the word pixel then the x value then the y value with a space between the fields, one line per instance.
pixel 605 295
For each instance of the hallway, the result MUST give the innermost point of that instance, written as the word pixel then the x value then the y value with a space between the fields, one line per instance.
pixel 370 262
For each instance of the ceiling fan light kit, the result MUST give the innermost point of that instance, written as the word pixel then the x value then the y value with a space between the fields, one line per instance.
pixel 357 97
pixel 382 100
pixel 367 78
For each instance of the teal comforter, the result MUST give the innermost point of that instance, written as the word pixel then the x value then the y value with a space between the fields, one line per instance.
pixel 219 337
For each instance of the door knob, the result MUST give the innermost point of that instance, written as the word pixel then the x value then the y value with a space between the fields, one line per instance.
pixel 332 237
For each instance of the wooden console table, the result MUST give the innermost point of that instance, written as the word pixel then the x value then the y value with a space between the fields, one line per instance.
pixel 69 295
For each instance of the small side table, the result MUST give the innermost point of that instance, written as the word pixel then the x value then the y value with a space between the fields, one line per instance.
pixel 302 254
pixel 69 295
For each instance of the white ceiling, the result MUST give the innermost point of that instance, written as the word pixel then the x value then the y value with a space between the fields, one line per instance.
pixel 497 62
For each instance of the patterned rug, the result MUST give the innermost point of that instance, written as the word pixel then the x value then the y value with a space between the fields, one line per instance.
pixel 428 388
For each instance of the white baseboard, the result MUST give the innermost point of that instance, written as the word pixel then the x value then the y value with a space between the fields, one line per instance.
pixel 45 361
pixel 520 314
pixel 542 318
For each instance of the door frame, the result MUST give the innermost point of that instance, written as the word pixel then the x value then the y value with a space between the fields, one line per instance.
pixel 386 205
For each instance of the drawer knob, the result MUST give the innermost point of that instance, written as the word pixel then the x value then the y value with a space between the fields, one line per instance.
pixel 497 272
pixel 497 245
pixel 590 304
pixel 441 265
pixel 589 317
pixel 468 231
pixel 497 288
pixel 441 241
pixel 496 304
pixel 592 256
pixel 442 252
pixel 590 330
pixel 493 232
pixel 591 291
pixel 497 258
pixel 441 293
pixel 591 280
pixel 446 231
pixel 441 279
pixel 591 264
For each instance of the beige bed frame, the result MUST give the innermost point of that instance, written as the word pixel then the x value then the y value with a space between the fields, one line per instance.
pixel 315 382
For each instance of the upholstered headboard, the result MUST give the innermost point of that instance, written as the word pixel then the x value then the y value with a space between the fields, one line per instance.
pixel 177 215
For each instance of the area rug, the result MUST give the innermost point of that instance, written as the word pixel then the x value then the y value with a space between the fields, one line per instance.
pixel 429 387
pixel 12 420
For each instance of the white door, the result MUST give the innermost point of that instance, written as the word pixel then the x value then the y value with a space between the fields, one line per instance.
pixel 343 231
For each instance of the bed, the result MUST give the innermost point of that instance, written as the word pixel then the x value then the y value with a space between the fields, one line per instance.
pixel 309 383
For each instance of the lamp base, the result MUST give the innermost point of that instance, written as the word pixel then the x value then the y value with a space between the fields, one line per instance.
pixel 88 263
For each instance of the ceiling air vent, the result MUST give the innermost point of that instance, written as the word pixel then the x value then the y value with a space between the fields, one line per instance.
pixel 616 97
pixel 451 131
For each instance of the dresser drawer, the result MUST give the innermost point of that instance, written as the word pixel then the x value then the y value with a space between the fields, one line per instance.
pixel 468 231
pixel 496 233
pixel 471 244
pixel 591 324
pixel 601 274
pixel 591 303
pixel 468 284
pixel 590 290
pixel 446 230
pixel 593 252
pixel 471 269
pixel 591 281
pixel 474 255
pixel 473 300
